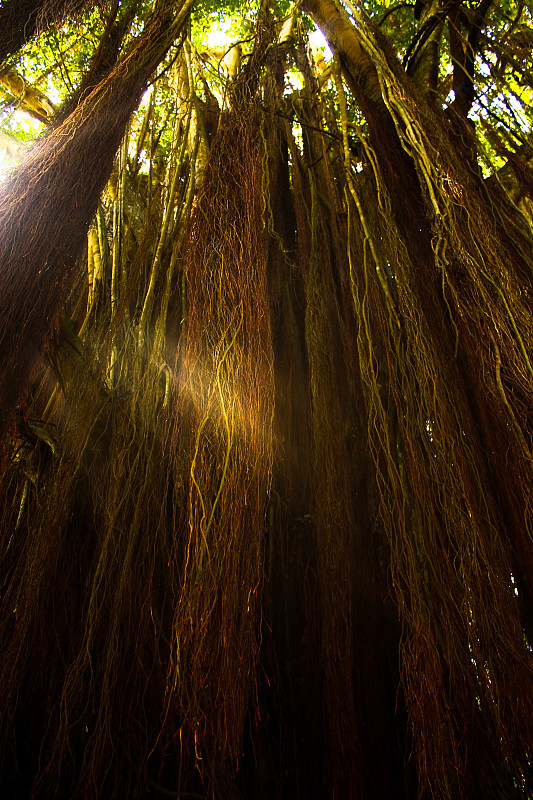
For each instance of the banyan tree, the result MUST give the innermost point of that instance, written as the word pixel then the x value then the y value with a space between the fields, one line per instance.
pixel 266 401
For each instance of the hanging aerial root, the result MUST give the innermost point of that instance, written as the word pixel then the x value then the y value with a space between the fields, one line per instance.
pixel 227 391
pixel 447 411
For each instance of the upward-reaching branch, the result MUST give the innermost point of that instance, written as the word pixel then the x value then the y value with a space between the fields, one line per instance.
pixel 358 69
pixel 463 57
pixel 106 55
pixel 423 54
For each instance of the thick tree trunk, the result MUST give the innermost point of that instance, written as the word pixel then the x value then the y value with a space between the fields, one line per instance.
pixel 47 205
pixel 423 249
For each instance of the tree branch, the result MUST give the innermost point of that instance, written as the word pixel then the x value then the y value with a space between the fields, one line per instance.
pixel 357 66
pixel 464 60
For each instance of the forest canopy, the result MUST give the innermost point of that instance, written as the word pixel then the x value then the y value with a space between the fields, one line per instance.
pixel 266 418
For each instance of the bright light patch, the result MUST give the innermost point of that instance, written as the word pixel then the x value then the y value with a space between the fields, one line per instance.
pixel 145 100
pixel 319 42
pixel 221 37
pixel 294 80
pixel 52 92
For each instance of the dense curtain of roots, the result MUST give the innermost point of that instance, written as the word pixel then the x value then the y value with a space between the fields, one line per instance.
pixel 441 284
pixel 266 527
pixel 153 485
pixel 225 431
